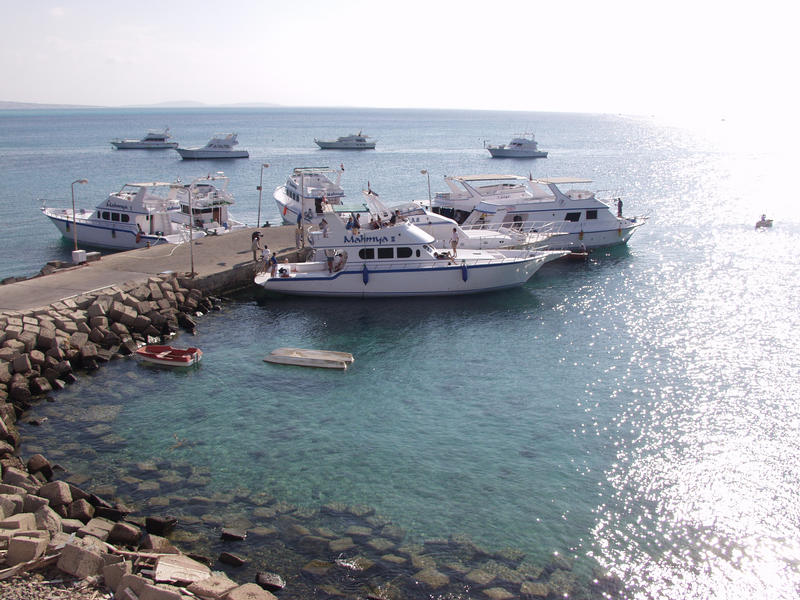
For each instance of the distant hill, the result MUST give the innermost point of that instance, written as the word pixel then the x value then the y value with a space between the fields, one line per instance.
pixel 7 105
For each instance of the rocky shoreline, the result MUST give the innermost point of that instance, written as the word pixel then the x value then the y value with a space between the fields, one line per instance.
pixel 95 539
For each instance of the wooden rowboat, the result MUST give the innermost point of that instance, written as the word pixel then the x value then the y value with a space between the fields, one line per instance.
pixel 170 357
pixel 327 359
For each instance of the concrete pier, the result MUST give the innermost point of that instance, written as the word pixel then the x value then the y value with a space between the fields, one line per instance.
pixel 222 263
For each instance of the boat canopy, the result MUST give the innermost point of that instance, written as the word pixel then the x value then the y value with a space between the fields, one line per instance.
pixel 561 180
pixel 486 207
pixel 487 177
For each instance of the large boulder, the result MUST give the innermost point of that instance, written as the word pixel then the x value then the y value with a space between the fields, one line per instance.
pixel 57 493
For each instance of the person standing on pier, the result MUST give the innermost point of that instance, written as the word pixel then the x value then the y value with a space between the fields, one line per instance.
pixel 255 246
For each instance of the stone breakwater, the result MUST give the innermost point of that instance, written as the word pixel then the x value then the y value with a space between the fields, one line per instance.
pixel 42 348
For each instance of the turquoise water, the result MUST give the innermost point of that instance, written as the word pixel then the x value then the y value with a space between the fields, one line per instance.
pixel 637 411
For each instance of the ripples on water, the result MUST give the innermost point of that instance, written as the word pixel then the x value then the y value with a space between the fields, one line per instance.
pixel 638 410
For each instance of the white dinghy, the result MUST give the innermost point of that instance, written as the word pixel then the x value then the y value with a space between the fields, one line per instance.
pixel 327 359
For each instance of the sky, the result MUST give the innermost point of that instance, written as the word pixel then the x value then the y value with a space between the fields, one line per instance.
pixel 614 56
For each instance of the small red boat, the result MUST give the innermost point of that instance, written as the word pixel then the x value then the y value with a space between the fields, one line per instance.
pixel 169 356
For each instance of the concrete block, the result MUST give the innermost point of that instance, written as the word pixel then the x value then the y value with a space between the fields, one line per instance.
pixel 112 574
pixel 213 588
pixel 17 501
pixel 56 492
pixel 19 521
pixel 80 562
pixel 249 591
pixel 155 592
pixel 135 583
pixel 48 520
pixel 23 548
pixel 70 525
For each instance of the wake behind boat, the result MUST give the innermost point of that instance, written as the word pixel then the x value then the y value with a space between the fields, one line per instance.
pixel 219 146
pixel 398 259
pixel 153 140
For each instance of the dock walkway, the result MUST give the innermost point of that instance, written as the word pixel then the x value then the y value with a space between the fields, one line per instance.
pixel 221 263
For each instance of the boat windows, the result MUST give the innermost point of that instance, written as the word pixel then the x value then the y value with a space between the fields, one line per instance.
pixel 366 253
pixel 126 218
pixel 385 252
pixel 591 214
pixel 572 216
pixel 106 216
pixel 115 217
pixel 403 252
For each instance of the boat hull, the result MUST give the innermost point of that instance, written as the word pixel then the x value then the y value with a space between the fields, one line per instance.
pixel 392 280
pixel 590 240
pixel 189 153
pixel 167 356
pixel 511 153
pixel 345 145
pixel 106 236
pixel 325 359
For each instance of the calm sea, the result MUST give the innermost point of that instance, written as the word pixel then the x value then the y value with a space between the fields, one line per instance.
pixel 637 412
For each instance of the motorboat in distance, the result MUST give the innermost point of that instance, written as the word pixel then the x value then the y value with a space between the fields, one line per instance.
pixel 154 140
pixel 326 359
pixel 354 141
pixel 219 146
pixel 522 146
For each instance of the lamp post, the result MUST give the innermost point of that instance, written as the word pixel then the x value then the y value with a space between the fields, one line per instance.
pixel 260 186
pixel 74 228
pixel 428 175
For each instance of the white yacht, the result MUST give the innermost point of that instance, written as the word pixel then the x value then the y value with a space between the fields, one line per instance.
pixel 207 206
pixel 154 140
pixel 396 260
pixel 138 215
pixel 532 205
pixel 485 236
pixel 522 146
pixel 308 188
pixel 219 146
pixel 355 141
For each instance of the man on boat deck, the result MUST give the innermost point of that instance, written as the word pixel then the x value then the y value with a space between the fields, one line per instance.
pixel 329 254
pixel 454 241
pixel 619 207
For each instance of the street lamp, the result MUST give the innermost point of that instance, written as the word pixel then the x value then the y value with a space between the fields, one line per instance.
pixel 260 186
pixel 74 228
pixel 425 172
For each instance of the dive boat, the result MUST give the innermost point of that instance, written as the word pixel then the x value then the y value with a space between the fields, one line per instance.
pixel 522 146
pixel 395 259
pixel 138 215
pixel 354 141
pixel 153 140
pixel 169 356
pixel 219 146
pixel 533 205
pixel 308 187
pixel 207 207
